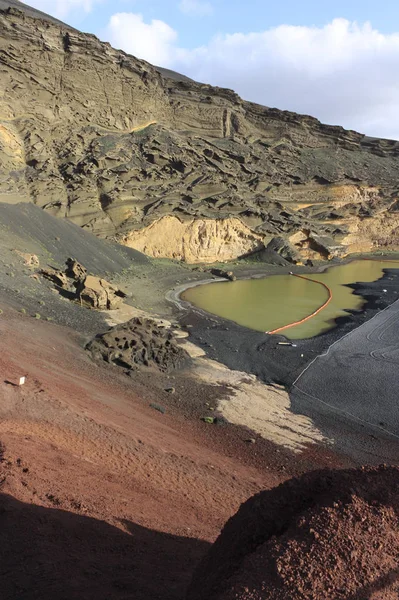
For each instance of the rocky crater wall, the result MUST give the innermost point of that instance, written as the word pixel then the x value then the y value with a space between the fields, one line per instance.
pixel 92 134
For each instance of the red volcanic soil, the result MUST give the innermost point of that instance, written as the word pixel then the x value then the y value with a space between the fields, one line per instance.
pixel 101 496
pixel 328 534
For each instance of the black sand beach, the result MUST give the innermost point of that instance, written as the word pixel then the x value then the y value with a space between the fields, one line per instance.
pixel 258 353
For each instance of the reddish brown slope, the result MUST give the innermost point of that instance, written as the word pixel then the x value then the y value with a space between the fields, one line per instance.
pixel 100 495
pixel 329 534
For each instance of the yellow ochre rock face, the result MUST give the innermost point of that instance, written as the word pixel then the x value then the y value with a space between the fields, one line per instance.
pixel 195 241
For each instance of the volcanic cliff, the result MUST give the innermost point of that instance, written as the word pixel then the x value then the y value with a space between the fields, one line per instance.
pixel 173 167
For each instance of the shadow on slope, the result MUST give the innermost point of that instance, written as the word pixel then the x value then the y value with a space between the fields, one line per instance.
pixel 50 553
pixel 31 229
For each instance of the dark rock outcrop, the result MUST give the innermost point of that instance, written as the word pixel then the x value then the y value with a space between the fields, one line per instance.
pixel 138 343
pixel 225 274
pixel 284 249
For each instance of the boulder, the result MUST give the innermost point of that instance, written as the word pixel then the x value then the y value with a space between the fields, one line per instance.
pixel 284 249
pixel 75 270
pixel 99 293
pixel 325 246
pixel 55 276
pixel 225 274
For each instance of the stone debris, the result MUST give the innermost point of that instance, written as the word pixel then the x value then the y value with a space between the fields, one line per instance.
pixel 158 407
pixel 210 420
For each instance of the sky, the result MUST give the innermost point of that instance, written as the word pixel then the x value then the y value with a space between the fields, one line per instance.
pixel 335 60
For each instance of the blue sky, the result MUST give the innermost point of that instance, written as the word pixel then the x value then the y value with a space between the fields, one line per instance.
pixel 337 60
pixel 231 16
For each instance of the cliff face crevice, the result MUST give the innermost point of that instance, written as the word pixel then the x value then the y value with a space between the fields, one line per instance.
pixel 104 139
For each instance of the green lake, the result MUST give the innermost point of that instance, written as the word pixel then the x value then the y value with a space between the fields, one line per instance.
pixel 271 302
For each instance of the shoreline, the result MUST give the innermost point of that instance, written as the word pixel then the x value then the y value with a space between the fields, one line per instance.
pixel 258 353
pixel 174 295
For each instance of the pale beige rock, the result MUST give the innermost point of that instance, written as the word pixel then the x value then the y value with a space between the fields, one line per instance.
pixel 55 276
pixel 75 270
pixel 195 241
pixel 99 293
pixel 31 260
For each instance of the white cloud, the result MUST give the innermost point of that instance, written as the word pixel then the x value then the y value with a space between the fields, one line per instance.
pixel 154 41
pixel 61 8
pixel 342 73
pixel 196 7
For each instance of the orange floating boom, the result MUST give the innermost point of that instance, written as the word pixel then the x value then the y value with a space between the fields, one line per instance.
pixel 313 313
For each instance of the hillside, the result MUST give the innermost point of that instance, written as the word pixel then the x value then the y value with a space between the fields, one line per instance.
pixel 173 167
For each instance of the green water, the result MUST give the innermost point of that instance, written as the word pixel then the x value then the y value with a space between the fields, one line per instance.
pixel 271 302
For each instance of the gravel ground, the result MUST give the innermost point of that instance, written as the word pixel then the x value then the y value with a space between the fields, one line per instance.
pixel 328 535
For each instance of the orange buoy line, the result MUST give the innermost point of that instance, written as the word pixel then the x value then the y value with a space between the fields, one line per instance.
pixel 313 313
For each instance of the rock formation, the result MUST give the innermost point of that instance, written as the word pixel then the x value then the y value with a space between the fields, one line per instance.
pixel 325 535
pixel 93 292
pixel 96 292
pixel 137 343
pixel 133 152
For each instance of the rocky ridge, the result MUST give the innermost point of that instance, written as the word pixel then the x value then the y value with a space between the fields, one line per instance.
pixel 329 534
pixel 90 133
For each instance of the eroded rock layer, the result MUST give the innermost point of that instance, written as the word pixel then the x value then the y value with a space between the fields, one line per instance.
pixel 93 134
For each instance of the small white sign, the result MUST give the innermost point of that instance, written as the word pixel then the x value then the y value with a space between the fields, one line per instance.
pixel 21 381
